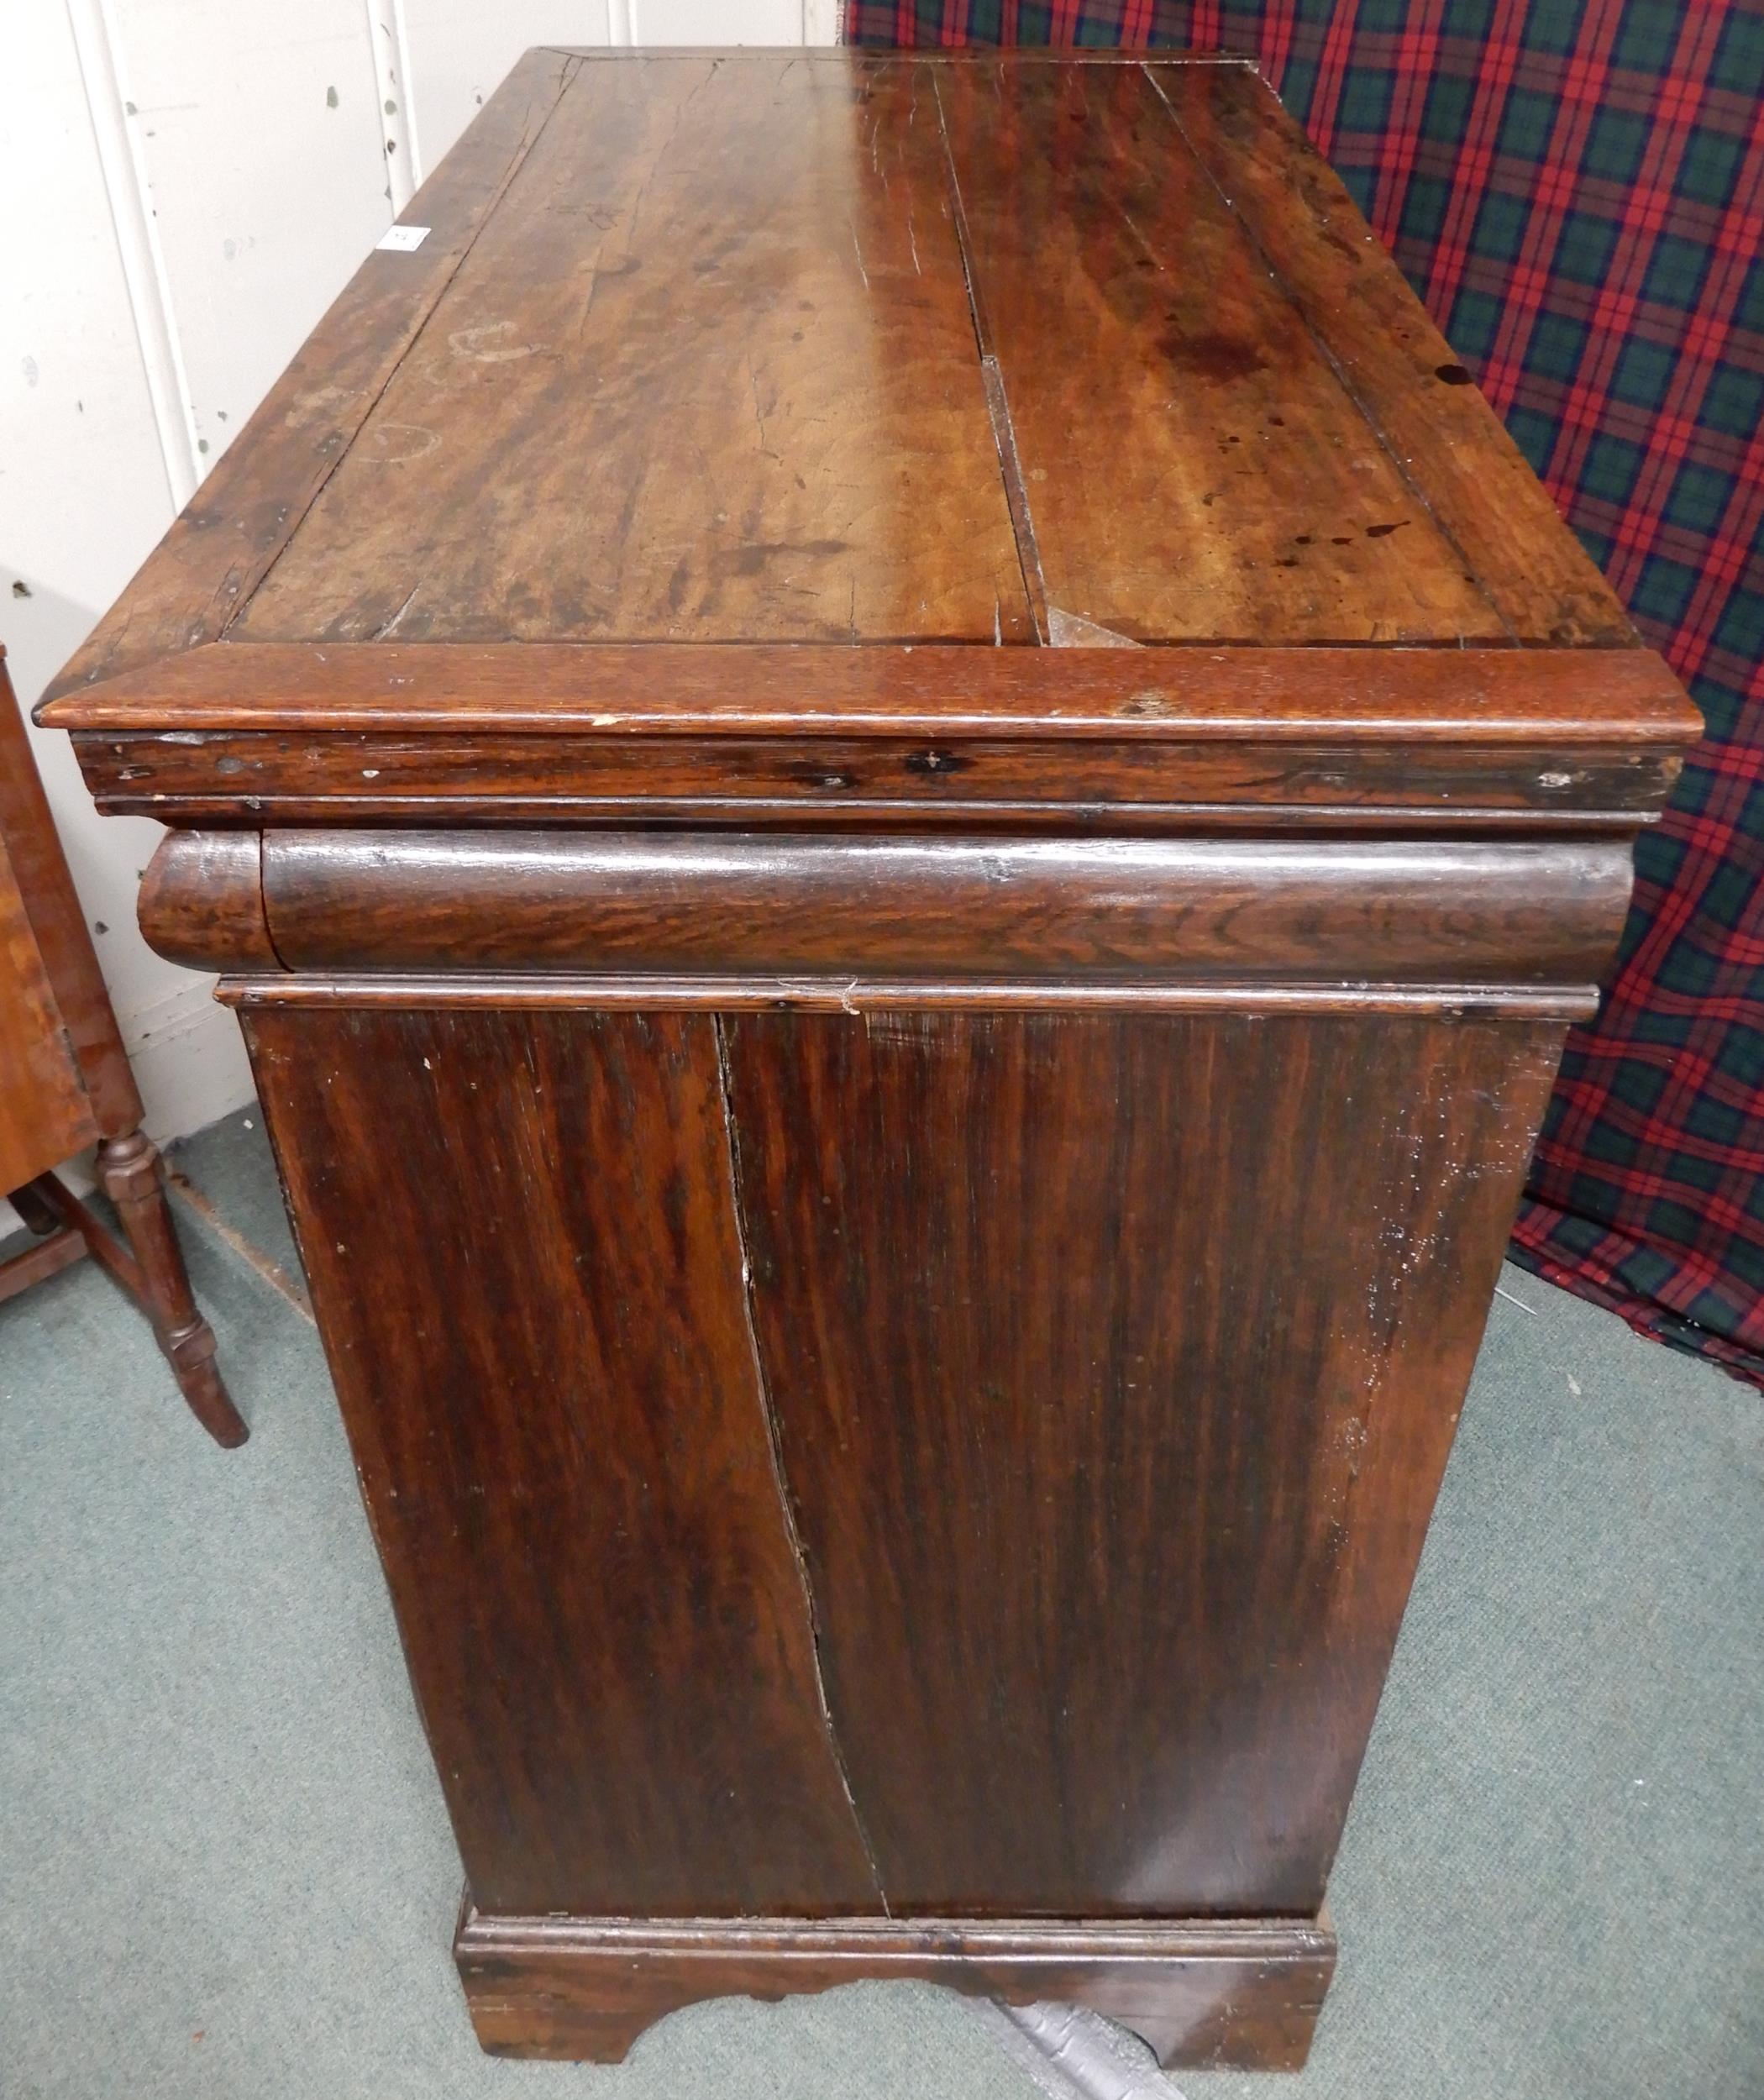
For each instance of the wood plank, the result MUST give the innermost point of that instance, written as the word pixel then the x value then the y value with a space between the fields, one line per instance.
pixel 1193 467
pixel 1376 332
pixel 708 373
pixel 220 547
pixel 1114 1361
pixel 46 1116
pixel 520 1234
pixel 214 777
pixel 58 927
pixel 1392 696
pixel 513 991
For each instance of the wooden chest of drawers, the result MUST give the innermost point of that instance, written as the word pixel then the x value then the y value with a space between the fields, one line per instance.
pixel 906 797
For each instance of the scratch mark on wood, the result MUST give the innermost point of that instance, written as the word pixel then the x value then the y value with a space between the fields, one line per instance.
pixel 392 625
pixel 758 412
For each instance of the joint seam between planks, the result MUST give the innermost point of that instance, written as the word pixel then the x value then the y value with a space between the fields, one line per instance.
pixel 774 1448
pixel 263 905
pixel 998 403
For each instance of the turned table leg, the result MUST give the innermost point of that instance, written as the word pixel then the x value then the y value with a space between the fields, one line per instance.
pixel 129 1172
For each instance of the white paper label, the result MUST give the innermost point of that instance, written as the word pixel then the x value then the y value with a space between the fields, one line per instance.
pixel 402 239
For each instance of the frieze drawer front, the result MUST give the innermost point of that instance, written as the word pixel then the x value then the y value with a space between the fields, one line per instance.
pixel 906 805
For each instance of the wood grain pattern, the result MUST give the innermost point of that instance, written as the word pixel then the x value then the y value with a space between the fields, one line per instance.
pixel 710 317
pixel 885 737
pixel 520 1236
pixel 57 921
pixel 1112 1445
pixel 203 894
pixel 46 1116
pixel 641 992
pixel 1264 908
pixel 717 338
pixel 221 777
pixel 1192 464
pixel 1375 697
pixel 1239 1992
pixel 1397 366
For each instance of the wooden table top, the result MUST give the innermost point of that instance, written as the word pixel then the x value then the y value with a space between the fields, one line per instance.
pixel 942 358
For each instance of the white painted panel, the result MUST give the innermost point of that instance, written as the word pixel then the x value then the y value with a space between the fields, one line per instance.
pixel 657 22
pixel 115 136
pixel 83 497
pixel 820 21
pixel 389 48
pixel 265 143
pixel 461 51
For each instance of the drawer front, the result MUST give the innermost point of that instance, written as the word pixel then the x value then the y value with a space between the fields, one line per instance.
pixel 1072 913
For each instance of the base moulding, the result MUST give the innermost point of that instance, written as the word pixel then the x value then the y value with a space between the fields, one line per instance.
pixel 1238 1992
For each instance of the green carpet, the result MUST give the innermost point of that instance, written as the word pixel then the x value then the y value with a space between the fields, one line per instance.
pixel 225 1870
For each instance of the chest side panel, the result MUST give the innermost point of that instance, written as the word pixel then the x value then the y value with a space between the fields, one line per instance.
pixel 1115 1363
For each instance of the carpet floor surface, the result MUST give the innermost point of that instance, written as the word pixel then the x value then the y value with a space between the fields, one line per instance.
pixel 225 1870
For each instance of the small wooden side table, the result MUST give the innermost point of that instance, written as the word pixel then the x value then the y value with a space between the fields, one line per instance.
pixel 64 1084
pixel 905 798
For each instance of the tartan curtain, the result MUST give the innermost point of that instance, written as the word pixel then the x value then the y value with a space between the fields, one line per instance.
pixel 1575 191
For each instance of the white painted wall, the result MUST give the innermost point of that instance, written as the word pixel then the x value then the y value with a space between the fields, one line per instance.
pixel 188 184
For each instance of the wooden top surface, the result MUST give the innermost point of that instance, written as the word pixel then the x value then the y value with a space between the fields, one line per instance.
pixel 836 348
